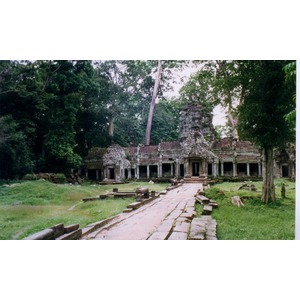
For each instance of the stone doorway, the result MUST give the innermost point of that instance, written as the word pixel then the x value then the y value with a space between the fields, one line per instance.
pixel 111 173
pixel 195 168
pixel 285 171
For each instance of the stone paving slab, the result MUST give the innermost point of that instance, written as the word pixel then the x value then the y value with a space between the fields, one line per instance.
pixel 182 227
pixel 178 236
pixel 188 215
pixel 154 220
pixel 159 235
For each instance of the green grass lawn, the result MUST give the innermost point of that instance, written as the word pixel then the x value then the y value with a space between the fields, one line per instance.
pixel 255 220
pixel 31 206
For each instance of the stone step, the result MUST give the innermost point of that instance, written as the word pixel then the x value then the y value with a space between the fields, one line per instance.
pixel 74 235
pixel 135 205
pixel 71 228
pixel 207 210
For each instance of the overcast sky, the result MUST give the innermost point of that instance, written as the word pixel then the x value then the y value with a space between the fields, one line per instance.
pixel 219 117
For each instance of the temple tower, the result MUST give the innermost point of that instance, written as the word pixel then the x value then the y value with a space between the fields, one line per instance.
pixel 196 118
pixel 196 136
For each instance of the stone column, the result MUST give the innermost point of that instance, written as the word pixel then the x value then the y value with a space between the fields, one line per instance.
pixel 159 170
pixel 259 169
pixel 186 168
pixel 177 168
pixel 215 169
pixel 129 173
pixel 148 171
pixel 234 168
pixel 248 169
pixel 86 173
pixel 137 172
pixel 172 169
pixel 222 168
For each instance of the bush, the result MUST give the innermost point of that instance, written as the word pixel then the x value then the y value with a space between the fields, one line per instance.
pixel 52 177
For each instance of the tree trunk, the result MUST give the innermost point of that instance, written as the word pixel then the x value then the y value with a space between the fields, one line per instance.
pixel 268 190
pixel 232 121
pixel 111 128
pixel 152 104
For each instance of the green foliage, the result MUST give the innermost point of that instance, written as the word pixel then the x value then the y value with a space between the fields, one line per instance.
pixel 266 103
pixel 165 125
pixel 15 158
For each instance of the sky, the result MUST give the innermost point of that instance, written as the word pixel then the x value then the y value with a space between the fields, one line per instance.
pixel 219 116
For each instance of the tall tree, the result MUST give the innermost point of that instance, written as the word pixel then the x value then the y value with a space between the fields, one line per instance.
pixel 152 103
pixel 262 116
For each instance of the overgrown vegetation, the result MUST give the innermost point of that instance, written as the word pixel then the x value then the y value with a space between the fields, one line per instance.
pixel 28 207
pixel 255 220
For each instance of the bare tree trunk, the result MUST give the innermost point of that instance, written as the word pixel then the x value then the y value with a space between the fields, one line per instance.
pixel 268 191
pixel 111 128
pixel 233 122
pixel 152 104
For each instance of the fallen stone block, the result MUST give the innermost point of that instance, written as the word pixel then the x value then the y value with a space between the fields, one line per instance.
pixel 127 210
pixel 74 235
pixel 46 234
pixel 207 210
pixel 164 192
pixel 103 196
pixel 135 205
pixel 196 235
pixel 237 200
pixel 58 230
pixel 90 199
pixel 71 228
pixel 94 226
pixel 214 204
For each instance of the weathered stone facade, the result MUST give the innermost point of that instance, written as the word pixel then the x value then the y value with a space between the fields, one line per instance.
pixel 195 155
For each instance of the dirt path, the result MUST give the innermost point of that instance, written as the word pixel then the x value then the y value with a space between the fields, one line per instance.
pixel 164 218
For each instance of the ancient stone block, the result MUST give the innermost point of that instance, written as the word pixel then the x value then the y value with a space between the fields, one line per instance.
pixel 58 230
pixel 46 234
pixel 127 210
pixel 211 237
pixel 135 205
pixel 178 236
pixel 159 235
pixel 71 228
pixel 90 199
pixel 188 215
pixel 181 227
pixel 196 235
pixel 207 210
pixel 74 235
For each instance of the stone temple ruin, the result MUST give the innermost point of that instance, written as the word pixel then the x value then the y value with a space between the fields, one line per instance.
pixel 195 156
